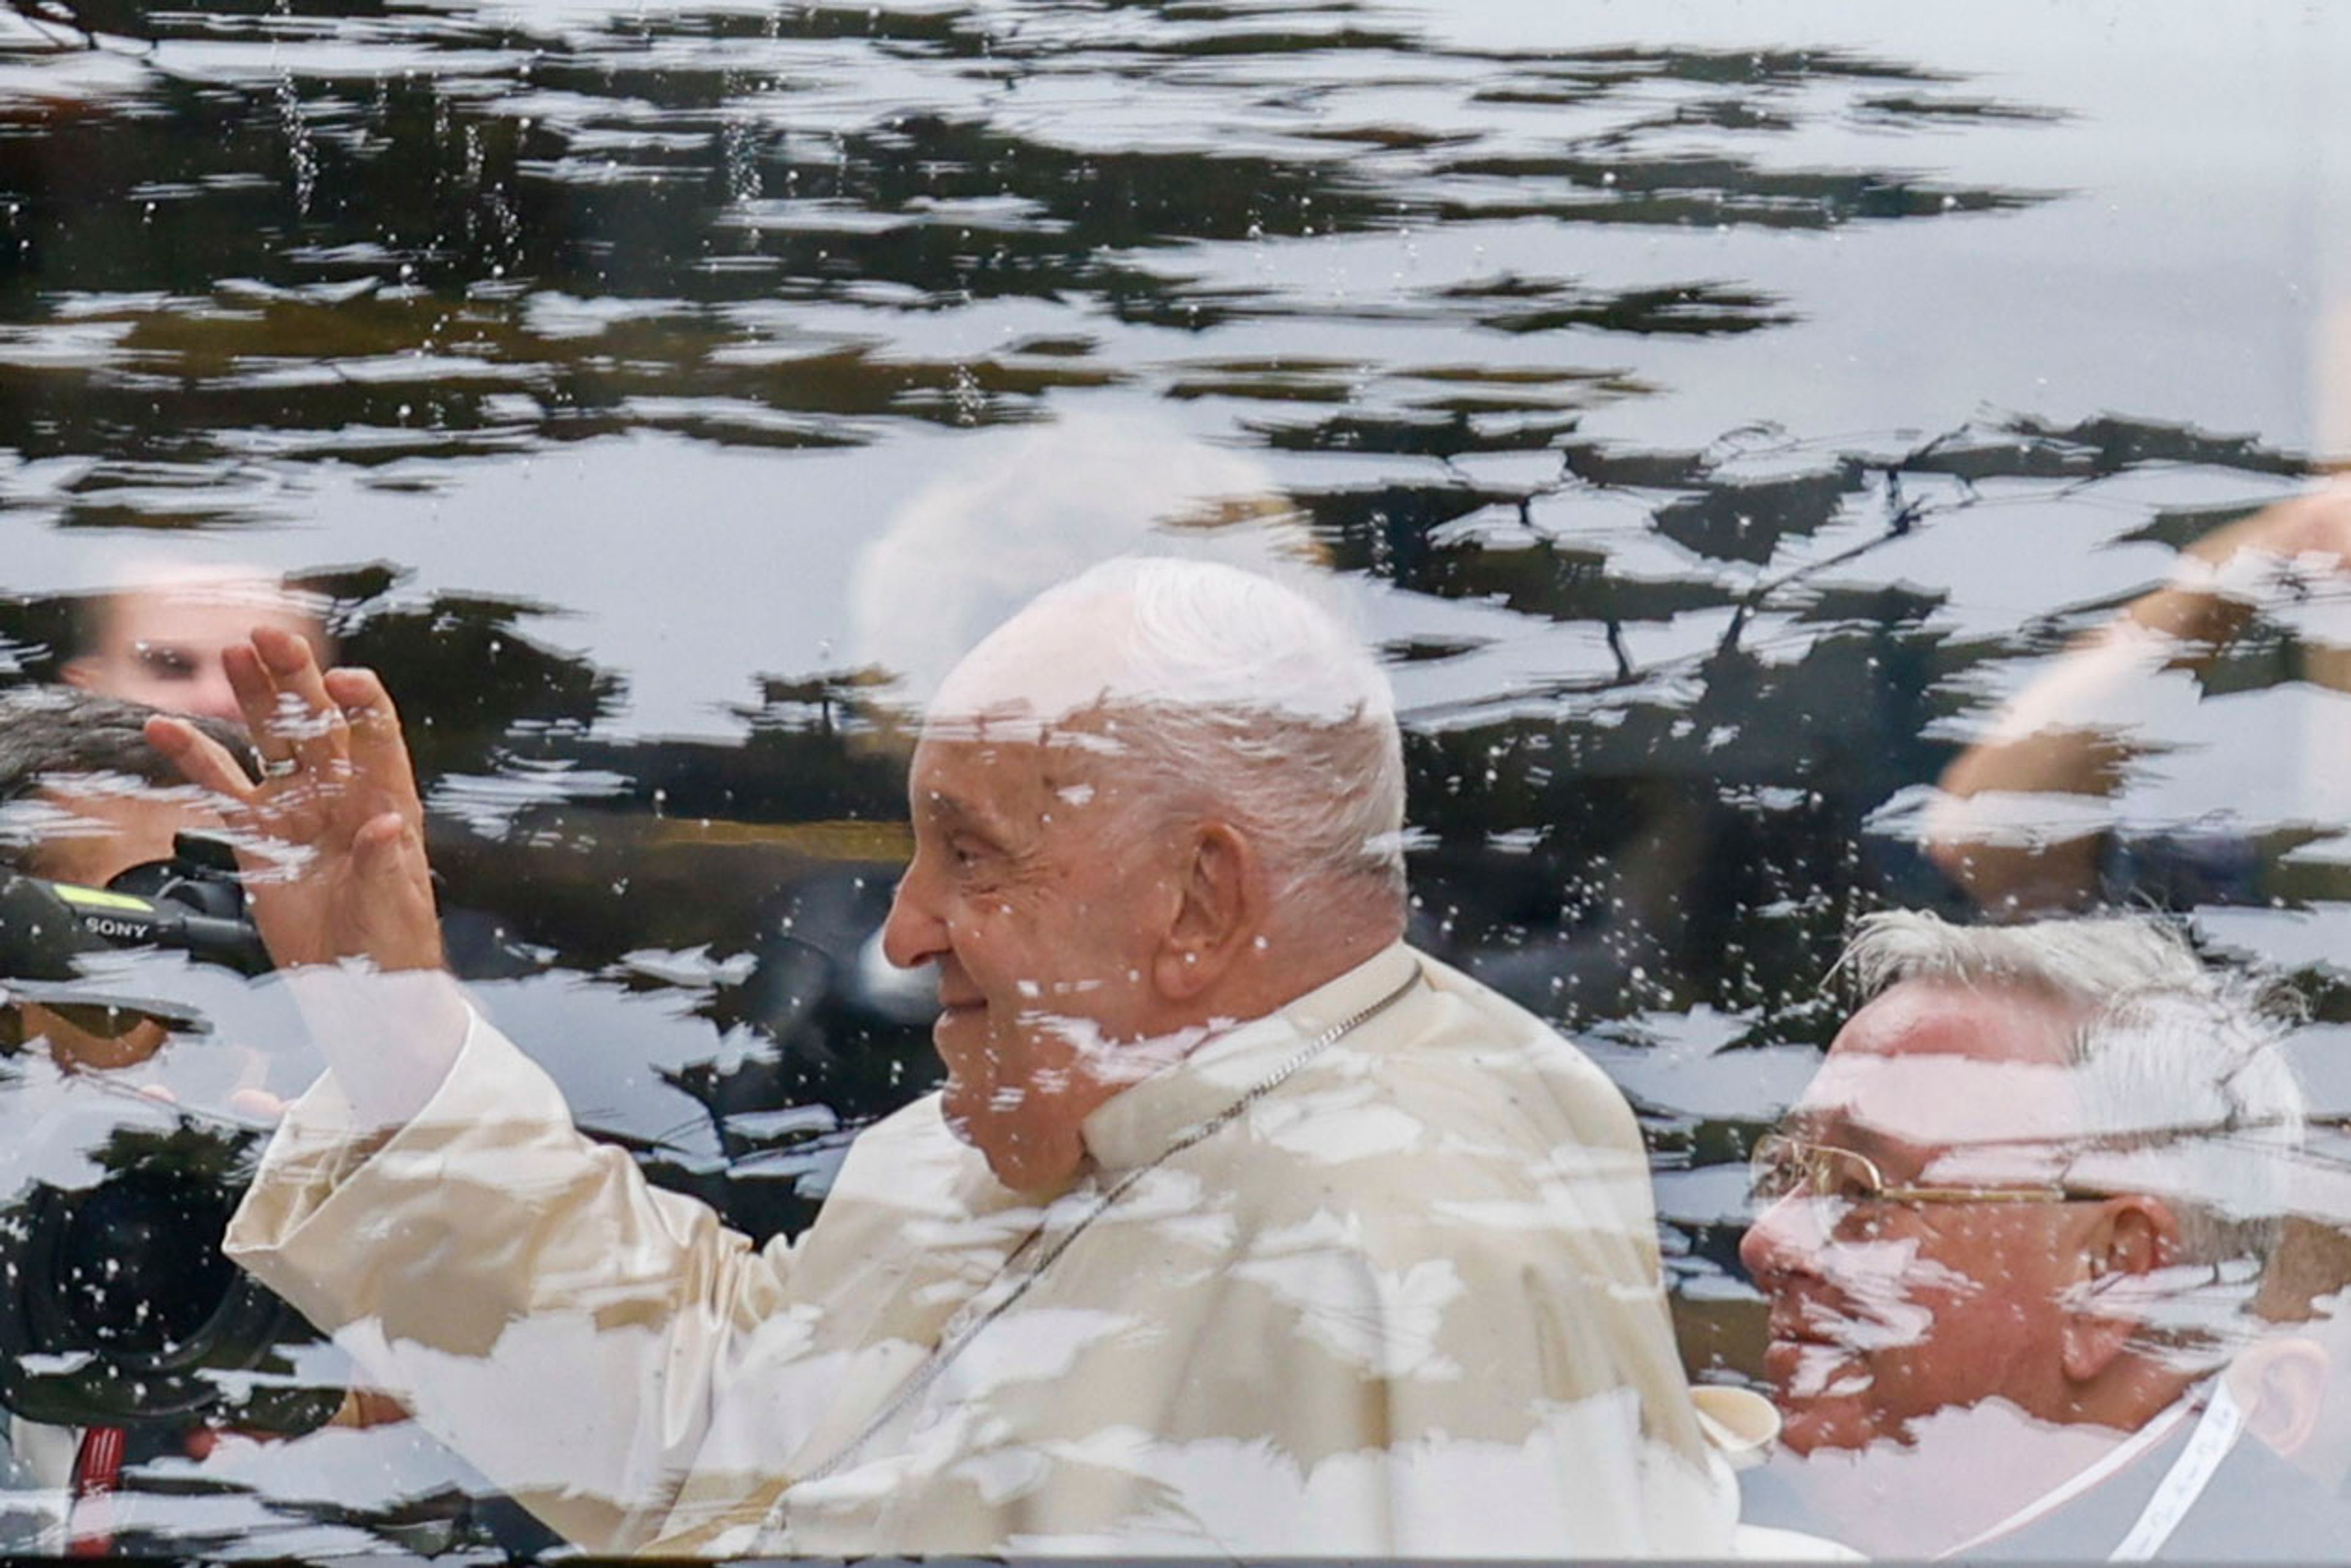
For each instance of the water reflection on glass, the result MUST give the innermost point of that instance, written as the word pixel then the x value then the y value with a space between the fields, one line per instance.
pixel 1717 425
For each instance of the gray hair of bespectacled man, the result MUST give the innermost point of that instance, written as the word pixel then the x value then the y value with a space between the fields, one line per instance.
pixel 1238 696
pixel 2171 1056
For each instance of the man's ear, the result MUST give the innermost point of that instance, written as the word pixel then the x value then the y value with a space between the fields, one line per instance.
pixel 1220 904
pixel 2126 1242
pixel 2281 1384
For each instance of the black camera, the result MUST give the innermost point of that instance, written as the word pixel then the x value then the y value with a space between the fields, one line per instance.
pixel 192 902
pixel 116 1304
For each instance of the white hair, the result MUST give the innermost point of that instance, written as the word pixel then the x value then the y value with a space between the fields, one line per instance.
pixel 1226 689
pixel 2176 1066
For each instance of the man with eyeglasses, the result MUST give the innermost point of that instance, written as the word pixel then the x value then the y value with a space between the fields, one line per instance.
pixel 2011 1230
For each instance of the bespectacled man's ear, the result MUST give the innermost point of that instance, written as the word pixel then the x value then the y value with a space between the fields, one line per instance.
pixel 2120 1250
pixel 2281 1382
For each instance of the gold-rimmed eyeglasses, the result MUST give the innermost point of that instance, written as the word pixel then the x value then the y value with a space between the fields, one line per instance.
pixel 1782 1166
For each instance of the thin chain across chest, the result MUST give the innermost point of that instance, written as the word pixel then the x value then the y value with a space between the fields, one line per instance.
pixel 960 1335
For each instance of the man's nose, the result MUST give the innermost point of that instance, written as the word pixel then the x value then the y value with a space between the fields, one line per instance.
pixel 913 934
pixel 1787 1238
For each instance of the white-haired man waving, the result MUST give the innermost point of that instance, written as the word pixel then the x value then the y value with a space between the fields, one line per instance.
pixel 1238 1228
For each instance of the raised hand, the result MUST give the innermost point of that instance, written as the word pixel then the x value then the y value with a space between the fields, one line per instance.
pixel 332 838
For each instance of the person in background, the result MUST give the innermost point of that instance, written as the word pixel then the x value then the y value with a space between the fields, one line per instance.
pixel 2008 826
pixel 2014 1228
pixel 1025 509
pixel 157 638
pixel 84 797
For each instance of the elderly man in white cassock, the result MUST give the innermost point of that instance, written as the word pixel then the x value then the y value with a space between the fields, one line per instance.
pixel 1238 1228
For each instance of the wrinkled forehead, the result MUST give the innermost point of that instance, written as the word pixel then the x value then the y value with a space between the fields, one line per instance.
pixel 1932 1064
pixel 1031 727
pixel 1940 1102
pixel 1007 773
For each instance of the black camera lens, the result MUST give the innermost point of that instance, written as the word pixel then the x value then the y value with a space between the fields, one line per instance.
pixel 116 1305
pixel 139 1264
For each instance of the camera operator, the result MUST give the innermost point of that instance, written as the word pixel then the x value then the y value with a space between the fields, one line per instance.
pixel 83 798
pixel 85 801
